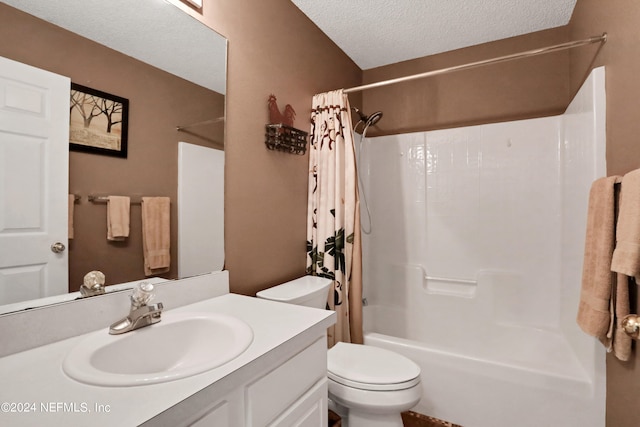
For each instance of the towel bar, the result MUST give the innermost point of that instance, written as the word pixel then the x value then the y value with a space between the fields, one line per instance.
pixel 104 199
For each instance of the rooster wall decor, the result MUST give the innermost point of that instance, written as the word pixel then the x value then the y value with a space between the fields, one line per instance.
pixel 276 117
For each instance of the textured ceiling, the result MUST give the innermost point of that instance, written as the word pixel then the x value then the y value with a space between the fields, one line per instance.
pixel 152 31
pixel 381 32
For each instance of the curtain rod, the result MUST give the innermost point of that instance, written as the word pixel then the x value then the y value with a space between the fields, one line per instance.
pixel 529 53
pixel 204 122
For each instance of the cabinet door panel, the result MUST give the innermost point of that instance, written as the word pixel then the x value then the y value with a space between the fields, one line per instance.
pixel 273 393
pixel 225 412
pixel 217 417
pixel 309 411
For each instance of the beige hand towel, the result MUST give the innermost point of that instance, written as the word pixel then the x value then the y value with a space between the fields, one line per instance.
pixel 626 256
pixel 118 217
pixel 594 313
pixel 72 205
pixel 156 234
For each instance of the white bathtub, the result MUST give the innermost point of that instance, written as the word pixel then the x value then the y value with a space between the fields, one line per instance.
pixel 472 261
pixel 518 378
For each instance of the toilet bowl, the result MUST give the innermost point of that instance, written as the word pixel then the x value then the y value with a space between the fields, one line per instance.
pixel 373 384
pixel 368 386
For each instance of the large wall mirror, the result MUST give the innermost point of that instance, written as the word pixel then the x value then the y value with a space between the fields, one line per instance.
pixel 172 70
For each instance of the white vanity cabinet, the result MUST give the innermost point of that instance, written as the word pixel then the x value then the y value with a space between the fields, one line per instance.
pixel 290 392
pixel 226 412
pixel 279 380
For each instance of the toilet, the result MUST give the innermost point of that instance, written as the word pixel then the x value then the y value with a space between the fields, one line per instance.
pixel 368 386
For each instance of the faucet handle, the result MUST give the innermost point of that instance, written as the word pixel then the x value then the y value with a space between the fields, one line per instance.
pixel 94 279
pixel 92 284
pixel 142 294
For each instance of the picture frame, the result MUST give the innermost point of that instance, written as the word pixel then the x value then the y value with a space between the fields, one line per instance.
pixel 98 122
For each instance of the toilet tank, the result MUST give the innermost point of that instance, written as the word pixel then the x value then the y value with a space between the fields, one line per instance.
pixel 309 291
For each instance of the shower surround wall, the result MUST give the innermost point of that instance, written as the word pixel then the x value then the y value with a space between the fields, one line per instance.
pixel 473 264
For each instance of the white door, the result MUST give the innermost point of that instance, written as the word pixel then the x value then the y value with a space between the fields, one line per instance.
pixel 34 180
pixel 200 209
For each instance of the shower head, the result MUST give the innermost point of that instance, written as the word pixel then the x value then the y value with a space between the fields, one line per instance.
pixel 374 118
pixel 368 120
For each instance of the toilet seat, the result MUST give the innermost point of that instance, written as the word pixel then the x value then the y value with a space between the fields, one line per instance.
pixel 371 368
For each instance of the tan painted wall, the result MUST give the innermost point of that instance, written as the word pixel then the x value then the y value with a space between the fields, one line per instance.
pixel 621 56
pixel 273 48
pixel 513 90
pixel 158 102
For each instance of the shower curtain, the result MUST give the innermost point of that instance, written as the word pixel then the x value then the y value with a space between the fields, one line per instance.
pixel 333 216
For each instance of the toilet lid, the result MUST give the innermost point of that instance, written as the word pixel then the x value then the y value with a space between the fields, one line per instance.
pixel 370 368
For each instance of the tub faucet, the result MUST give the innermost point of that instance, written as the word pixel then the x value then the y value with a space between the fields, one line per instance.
pixel 141 314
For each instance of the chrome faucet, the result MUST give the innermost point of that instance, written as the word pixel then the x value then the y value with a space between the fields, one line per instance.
pixel 142 313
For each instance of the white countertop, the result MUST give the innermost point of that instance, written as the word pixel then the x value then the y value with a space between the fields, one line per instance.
pixel 71 296
pixel 35 390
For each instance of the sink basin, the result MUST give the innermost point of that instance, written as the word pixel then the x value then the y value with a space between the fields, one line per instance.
pixel 181 345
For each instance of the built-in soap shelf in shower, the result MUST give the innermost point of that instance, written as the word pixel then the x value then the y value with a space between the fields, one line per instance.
pixel 461 288
pixel 436 285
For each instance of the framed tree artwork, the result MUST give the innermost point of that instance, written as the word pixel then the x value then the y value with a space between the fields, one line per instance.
pixel 98 122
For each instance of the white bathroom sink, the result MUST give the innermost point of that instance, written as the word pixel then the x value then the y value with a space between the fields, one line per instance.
pixel 181 345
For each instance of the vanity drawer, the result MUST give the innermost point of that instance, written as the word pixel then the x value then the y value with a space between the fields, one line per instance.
pixel 275 392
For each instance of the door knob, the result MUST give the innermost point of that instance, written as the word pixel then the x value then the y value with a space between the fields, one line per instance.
pixel 57 248
pixel 631 325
